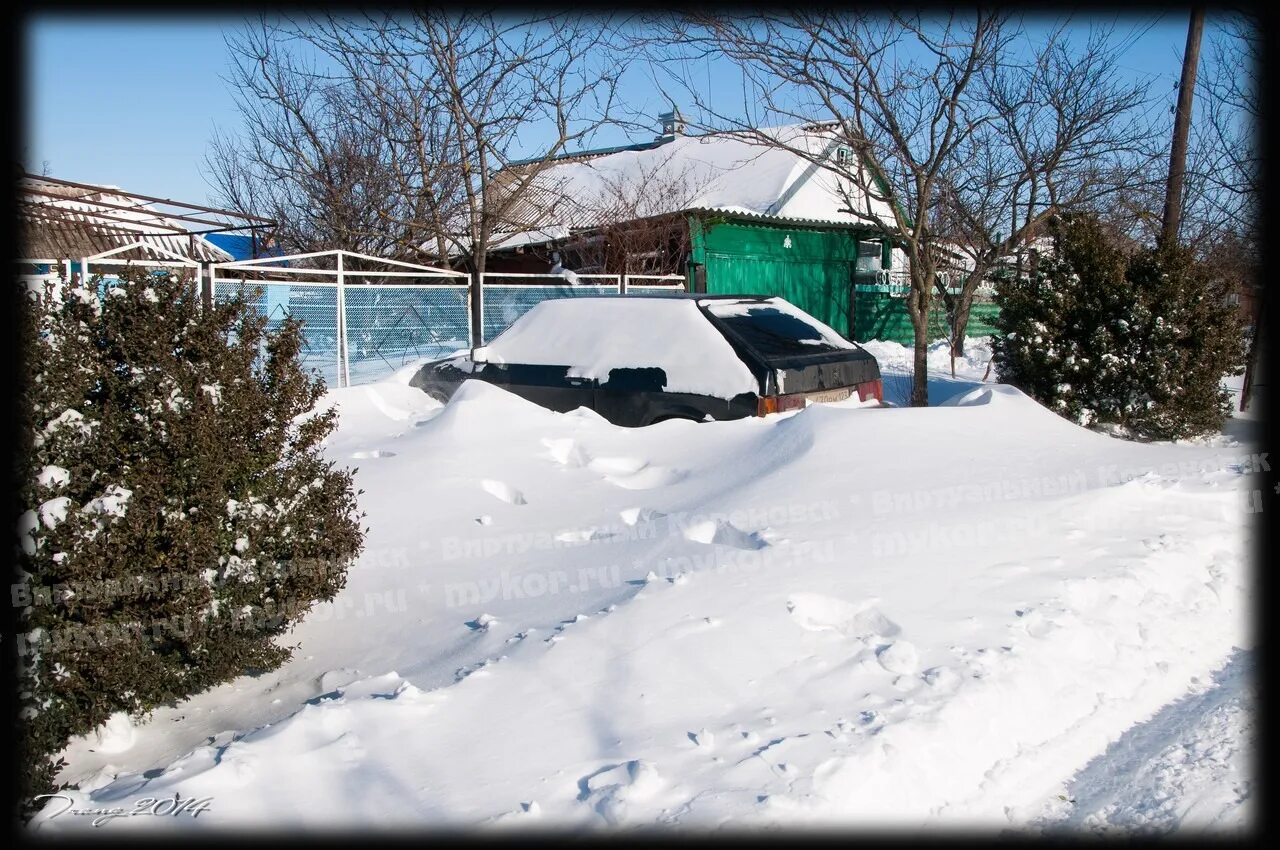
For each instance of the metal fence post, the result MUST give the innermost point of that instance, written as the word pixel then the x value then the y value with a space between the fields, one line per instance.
pixel 478 282
pixel 344 377
pixel 204 289
pixel 622 284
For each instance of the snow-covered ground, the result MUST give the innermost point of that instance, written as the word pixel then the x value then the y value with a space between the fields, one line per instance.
pixel 1188 769
pixel 960 616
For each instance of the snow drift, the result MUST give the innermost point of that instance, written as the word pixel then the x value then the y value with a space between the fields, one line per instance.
pixel 844 616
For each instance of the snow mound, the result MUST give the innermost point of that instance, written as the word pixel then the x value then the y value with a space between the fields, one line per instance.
pixel 984 395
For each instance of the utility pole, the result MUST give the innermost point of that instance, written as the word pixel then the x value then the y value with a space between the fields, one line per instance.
pixel 1181 129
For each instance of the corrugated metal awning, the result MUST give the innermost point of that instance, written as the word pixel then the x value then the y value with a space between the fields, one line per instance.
pixel 60 219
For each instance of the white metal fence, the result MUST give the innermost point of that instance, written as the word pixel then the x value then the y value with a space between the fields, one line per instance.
pixel 505 297
pixel 390 325
pixel 362 322
pixel 653 284
pixel 362 317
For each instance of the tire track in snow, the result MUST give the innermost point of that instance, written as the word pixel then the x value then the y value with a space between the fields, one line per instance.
pixel 1185 769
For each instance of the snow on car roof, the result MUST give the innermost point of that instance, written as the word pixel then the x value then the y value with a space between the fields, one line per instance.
pixel 593 336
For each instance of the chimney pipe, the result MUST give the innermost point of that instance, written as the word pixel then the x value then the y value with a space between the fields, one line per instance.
pixel 672 124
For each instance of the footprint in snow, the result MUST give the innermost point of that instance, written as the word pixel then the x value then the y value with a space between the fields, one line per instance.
pixel 816 612
pixel 724 534
pixel 613 789
pixel 702 738
pixel 336 679
pixel 942 679
pixel 631 516
pixel 566 452
pixel 647 477
pixel 898 657
pixel 502 491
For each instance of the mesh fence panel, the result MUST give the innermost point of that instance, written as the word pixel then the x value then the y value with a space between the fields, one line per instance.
pixel 314 305
pixel 504 304
pixel 640 289
pixel 390 326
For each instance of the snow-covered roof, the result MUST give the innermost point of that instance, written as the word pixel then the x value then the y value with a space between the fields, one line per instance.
pixel 722 172
pixel 520 238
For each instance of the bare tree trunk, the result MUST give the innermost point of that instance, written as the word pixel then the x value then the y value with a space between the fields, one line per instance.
pixel 476 295
pixel 959 327
pixel 920 360
pixel 918 308
pixel 1181 129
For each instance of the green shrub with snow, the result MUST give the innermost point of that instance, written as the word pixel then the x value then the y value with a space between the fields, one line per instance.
pixel 175 514
pixel 1135 341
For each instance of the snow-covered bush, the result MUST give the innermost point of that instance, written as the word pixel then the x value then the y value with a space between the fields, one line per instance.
pixel 1136 342
pixel 175 513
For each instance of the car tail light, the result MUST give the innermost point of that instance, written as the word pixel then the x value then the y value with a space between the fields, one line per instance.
pixel 779 403
pixel 870 389
pixel 794 401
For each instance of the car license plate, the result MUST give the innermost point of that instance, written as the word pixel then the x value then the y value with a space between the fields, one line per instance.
pixel 828 395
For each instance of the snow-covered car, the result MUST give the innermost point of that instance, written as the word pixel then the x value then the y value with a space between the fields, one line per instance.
pixel 638 359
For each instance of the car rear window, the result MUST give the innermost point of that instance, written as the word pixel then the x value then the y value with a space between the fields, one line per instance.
pixel 775 328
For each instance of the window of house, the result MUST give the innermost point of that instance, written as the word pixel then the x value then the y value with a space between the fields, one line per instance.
pixel 869 256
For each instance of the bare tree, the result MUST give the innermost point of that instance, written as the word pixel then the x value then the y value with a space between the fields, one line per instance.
pixel 1229 174
pixel 1062 131
pixel 636 226
pixel 898 89
pixel 299 157
pixel 390 131
pixel 1225 174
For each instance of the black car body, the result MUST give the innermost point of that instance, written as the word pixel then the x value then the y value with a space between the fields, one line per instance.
pixel 793 359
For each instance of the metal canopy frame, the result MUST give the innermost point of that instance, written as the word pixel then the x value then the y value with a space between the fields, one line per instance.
pixel 268 265
pixel 174 257
pixel 174 260
pixel 105 211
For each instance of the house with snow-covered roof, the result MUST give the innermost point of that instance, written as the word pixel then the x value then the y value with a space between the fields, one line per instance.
pixel 732 214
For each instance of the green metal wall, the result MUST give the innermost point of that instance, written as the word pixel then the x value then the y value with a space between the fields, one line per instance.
pixel 811 268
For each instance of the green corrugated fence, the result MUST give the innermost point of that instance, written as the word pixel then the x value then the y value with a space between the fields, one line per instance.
pixel 880 312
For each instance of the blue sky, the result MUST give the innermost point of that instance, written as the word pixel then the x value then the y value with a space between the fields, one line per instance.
pixel 133 101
